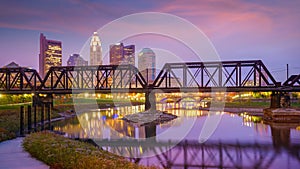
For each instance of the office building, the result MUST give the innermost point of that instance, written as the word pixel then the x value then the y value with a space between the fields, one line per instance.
pixel 50 54
pixel 120 54
pixel 95 50
pixel 76 60
pixel 146 64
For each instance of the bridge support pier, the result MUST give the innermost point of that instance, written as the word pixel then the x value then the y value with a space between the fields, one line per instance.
pixel 45 103
pixel 22 121
pixel 275 100
pixel 29 119
pixel 280 99
pixel 150 99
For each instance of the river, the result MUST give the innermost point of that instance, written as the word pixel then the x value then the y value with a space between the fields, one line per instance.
pixel 235 140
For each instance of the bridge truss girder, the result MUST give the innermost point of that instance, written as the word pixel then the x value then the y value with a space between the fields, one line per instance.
pixel 86 78
pixel 16 80
pixel 230 76
pixel 215 74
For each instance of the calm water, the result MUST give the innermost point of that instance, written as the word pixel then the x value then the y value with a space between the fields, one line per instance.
pixel 238 141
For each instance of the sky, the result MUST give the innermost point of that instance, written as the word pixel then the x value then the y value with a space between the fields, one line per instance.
pixel 238 29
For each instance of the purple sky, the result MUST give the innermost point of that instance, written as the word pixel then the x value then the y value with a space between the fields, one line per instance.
pixel 267 30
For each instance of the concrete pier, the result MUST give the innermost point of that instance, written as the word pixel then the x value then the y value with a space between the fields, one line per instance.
pixel 282 115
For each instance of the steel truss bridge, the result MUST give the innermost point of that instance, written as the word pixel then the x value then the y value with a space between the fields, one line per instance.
pixel 230 76
pixel 192 154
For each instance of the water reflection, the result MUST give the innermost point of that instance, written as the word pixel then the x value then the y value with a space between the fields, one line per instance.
pixel 238 136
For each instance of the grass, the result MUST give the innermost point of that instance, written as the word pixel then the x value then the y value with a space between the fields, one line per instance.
pixel 9 124
pixel 60 152
pixel 10 120
pixel 250 104
pixel 247 104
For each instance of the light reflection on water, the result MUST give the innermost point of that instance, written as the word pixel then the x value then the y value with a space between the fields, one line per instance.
pixel 235 130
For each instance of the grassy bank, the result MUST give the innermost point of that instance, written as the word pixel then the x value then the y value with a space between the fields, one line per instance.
pixel 9 124
pixel 247 104
pixel 59 152
pixel 10 120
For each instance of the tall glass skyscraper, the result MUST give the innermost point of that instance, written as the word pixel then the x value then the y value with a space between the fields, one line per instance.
pixel 50 54
pixel 95 50
pixel 146 64
pixel 120 54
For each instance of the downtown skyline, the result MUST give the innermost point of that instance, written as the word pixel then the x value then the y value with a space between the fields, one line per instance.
pixel 239 30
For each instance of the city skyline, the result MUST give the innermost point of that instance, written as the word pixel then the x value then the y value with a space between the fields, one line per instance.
pixel 239 30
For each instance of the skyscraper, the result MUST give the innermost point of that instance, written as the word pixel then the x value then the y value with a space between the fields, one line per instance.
pixel 76 60
pixel 95 50
pixel 129 54
pixel 146 64
pixel 50 54
pixel 120 54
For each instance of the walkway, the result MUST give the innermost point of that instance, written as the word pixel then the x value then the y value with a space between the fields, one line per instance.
pixel 13 156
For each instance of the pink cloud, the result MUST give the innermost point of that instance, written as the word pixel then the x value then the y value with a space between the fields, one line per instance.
pixel 244 21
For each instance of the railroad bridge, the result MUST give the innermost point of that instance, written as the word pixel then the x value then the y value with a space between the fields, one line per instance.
pixel 226 76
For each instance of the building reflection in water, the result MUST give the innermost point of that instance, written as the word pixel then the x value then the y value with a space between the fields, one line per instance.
pixel 107 125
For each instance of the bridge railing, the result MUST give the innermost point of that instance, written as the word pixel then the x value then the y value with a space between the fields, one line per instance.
pixel 93 78
pixel 215 74
pixel 19 79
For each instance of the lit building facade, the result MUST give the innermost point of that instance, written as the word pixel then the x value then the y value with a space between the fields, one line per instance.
pixel 95 50
pixel 76 60
pixel 146 64
pixel 120 54
pixel 50 54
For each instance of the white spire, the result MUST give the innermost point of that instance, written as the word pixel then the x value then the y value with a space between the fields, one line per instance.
pixel 95 50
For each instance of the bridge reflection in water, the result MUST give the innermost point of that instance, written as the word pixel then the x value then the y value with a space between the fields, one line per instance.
pixel 249 144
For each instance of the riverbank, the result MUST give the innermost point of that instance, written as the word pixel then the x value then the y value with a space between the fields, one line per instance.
pixel 60 152
pixel 10 114
pixel 10 121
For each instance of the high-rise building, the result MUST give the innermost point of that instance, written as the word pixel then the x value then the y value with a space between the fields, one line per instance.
pixel 129 54
pixel 120 54
pixel 146 64
pixel 95 50
pixel 50 54
pixel 76 60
